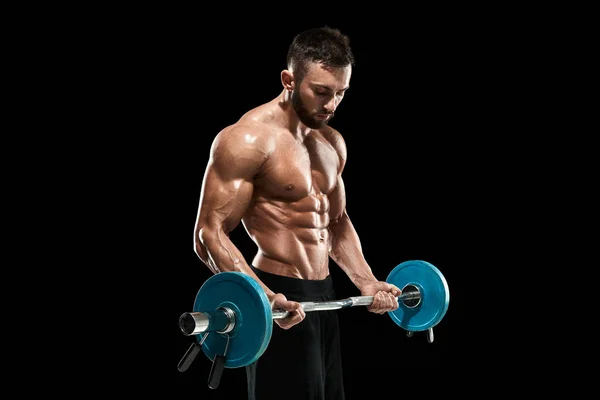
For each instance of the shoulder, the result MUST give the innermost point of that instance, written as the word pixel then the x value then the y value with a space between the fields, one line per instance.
pixel 244 137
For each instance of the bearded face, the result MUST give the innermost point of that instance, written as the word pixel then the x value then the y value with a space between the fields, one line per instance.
pixel 318 93
pixel 306 114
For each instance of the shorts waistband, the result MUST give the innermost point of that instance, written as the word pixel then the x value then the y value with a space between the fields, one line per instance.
pixel 296 287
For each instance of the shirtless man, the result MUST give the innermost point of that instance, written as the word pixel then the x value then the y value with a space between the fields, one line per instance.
pixel 278 170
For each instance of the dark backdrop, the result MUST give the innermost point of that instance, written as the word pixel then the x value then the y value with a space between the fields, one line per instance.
pixel 420 122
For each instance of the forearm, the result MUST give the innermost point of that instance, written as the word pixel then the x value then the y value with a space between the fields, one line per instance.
pixel 346 251
pixel 218 252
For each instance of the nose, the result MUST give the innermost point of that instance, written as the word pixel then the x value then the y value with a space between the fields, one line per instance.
pixel 331 105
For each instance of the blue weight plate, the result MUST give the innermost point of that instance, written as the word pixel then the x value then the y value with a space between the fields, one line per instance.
pixel 253 317
pixel 435 296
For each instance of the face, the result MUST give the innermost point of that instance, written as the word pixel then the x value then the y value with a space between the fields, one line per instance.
pixel 318 95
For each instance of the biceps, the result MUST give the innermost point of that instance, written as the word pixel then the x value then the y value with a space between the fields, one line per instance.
pixel 223 201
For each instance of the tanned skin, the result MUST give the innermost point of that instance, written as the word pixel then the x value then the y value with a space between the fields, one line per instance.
pixel 278 170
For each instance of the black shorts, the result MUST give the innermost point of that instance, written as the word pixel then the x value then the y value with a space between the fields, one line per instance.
pixel 303 362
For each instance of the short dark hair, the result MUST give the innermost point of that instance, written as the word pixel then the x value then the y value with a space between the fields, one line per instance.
pixel 324 45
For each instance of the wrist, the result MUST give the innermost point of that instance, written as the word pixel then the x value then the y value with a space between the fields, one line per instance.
pixel 362 282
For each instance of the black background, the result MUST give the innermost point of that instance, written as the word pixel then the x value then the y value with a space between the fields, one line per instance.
pixel 423 123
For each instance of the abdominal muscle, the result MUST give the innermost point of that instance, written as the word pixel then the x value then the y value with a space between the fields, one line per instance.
pixel 293 238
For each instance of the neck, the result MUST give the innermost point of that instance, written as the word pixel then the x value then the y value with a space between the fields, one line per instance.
pixel 293 124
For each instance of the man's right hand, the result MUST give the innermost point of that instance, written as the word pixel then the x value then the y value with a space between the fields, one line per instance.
pixel 296 312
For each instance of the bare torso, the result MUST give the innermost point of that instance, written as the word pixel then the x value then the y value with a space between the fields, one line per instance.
pixel 288 216
pixel 283 181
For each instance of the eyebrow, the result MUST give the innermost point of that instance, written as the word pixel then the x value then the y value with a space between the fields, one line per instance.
pixel 328 88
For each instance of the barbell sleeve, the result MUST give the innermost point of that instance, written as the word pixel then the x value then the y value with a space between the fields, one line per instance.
pixel 220 320
pixel 223 319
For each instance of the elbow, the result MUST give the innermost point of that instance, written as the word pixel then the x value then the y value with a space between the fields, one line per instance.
pixel 336 223
pixel 200 247
pixel 200 251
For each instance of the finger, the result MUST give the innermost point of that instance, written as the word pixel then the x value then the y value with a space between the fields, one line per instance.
pixel 290 306
pixel 299 315
pixel 379 302
pixel 388 302
pixel 294 318
pixel 296 312
pixel 293 306
pixel 392 289
pixel 301 312
pixel 394 302
pixel 376 302
pixel 391 301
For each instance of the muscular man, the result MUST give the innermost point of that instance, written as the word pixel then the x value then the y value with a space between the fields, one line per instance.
pixel 278 170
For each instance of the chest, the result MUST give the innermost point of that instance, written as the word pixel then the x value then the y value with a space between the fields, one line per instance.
pixel 297 169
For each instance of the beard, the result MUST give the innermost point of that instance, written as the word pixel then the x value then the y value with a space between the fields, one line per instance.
pixel 304 115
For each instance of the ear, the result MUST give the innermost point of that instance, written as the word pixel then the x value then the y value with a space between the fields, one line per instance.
pixel 287 80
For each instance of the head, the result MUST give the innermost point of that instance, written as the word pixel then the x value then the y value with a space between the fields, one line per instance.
pixel 319 66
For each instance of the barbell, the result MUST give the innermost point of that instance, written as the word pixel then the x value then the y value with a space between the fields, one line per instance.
pixel 234 307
